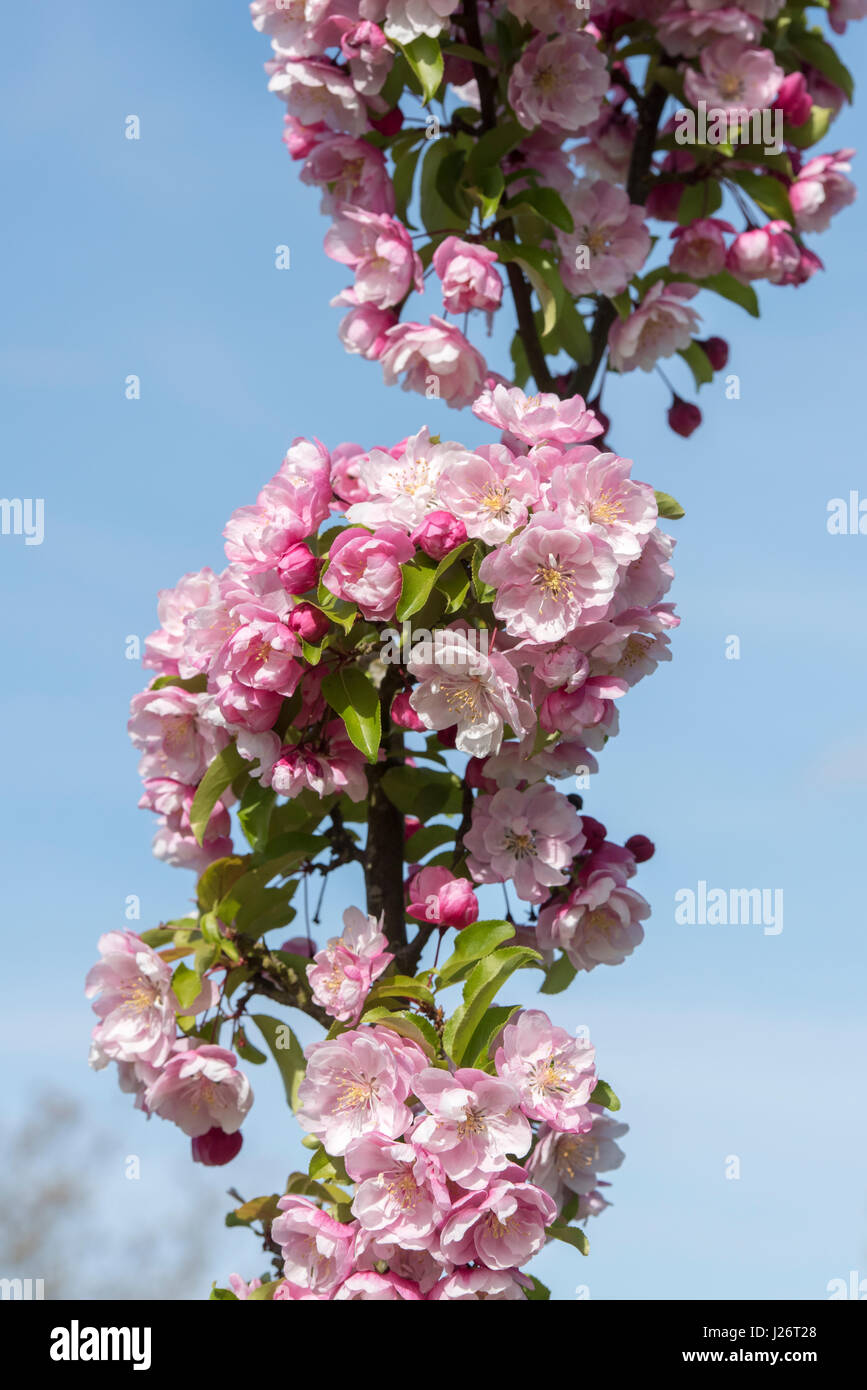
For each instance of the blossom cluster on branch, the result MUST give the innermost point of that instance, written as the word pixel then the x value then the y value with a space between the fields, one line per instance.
pixel 547 138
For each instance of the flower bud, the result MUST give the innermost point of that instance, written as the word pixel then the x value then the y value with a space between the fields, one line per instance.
pixel 683 417
pixel 216 1147
pixel 717 350
pixel 298 569
pixel 640 848
pixel 793 99
pixel 299 946
pixel 439 533
pixel 403 714
pixel 308 622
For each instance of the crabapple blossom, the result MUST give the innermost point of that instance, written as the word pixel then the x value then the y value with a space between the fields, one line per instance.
pixel 733 77
pixel 474 1122
pixel 200 1088
pixel 599 924
pixel 661 325
pixel 437 359
pixel 379 250
pixel 176 743
pixel 700 249
pixel 317 1250
pixel 502 1226
pixel 570 1163
pixel 402 488
pixel 468 278
pixel 475 690
pixel 540 419
pixel 820 190
pixel 764 253
pixel 401 1193
pixel 436 896
pixel 342 973
pixel 355 1084
pixel 316 91
pixel 477 1284
pixel 611 231
pixel 595 490
pixel 530 837
pixel 365 568
pixel 553 1072
pixel 489 491
pixel 559 83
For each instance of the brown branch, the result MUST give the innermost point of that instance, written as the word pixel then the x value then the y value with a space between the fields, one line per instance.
pixel 383 854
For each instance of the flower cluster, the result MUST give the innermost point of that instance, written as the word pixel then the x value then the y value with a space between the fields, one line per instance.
pixel 534 145
pixel 442 1208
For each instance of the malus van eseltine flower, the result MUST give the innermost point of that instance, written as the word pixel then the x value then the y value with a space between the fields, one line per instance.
pixel 164 648
pixel 550 578
pixel 401 1193
pixel 439 533
pixel 318 1251
pixel 554 1073
pixel 315 90
pixel 559 84
pixel 407 19
pixel 540 419
pixel 609 242
pixel 199 1088
pixel 476 1284
pixel 362 331
pixel 564 1164
pixel 764 253
pixel 661 325
pixel 459 684
pixel 501 1227
pixel 733 77
pixel 489 491
pixel 379 249
pixel 530 837
pixel 700 248
pixel 216 1148
pixel 435 895
pixel 475 1122
pixel 333 764
pixel 381 1288
pixel 437 360
pixel 349 171
pixel 468 278
pixel 600 924
pixel 136 1007
pixel 355 1084
pixel 342 973
pixel 167 727
pixel 822 189
pixel 288 509
pixel 594 490
pixel 687 31
pixel 402 487
pixel 365 569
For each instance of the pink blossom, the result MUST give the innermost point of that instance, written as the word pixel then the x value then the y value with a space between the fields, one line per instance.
pixel 199 1088
pixel 539 419
pixel 468 278
pixel 793 99
pixel 474 1123
pixel 349 171
pixel 331 764
pixel 439 533
pixel 649 578
pixel 380 1287
pixel 609 243
pixel 407 19
pixel 308 622
pixel 438 361
pixel 346 461
pixel 365 569
pixel 422 1267
pixel 687 30
pixel 314 91
pixel 164 649
pixel 529 836
pixel 343 972
pixel 461 684
pixel 478 1285
pixel 401 484
pixel 661 325
pixel 362 331
pixel 489 491
pixel 300 139
pixel 600 923
pixel 136 1007
pixel 379 249
pixel 298 570
pixel 733 77
pixel 255 668
pixel 436 895
pixel 176 743
pixel 401 1192
pixel 564 1164
pixel 501 1227
pixel 821 190
pixel 843 12
pixel 317 1250
pixel 240 1289
pixel 764 253
pixel 700 249
pixel 594 490
pixel 550 578
pixel 554 1073
pixel 289 508
pixel 370 56
pixel 404 716
pixel 355 1084
pixel 559 83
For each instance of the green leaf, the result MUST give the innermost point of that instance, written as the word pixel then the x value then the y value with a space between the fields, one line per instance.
pixel 426 61
pixel 472 55
pixel 603 1095
pixel 403 178
pixel 538 1291
pixel 767 192
pixel 254 813
pixel 217 879
pixel 423 791
pixel 353 696
pixel 196 684
pixel 492 1022
pixel 574 337
pixel 438 214
pixel 547 203
pixel 814 129
pixel 561 974
pixel 265 1292
pixel 541 270
pixel 622 303
pixel 698 200
pixel 428 838
pixel 821 55
pixel 411 1026
pixel 485 593
pixel 489 187
pixel 222 1295
pixel 571 1235
pixel 698 362
pixel 186 985
pixel 472 944
pixel 286 1051
pixel 400 987
pixel 490 149
pixel 418 578
pixel 258 1209
pixel 671 509
pixel 725 284
pixel 220 775
pixel 481 987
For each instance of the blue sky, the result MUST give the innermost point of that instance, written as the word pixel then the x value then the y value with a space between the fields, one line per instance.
pixel 156 257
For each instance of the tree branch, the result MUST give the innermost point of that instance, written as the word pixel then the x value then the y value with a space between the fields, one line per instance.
pixel 383 854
